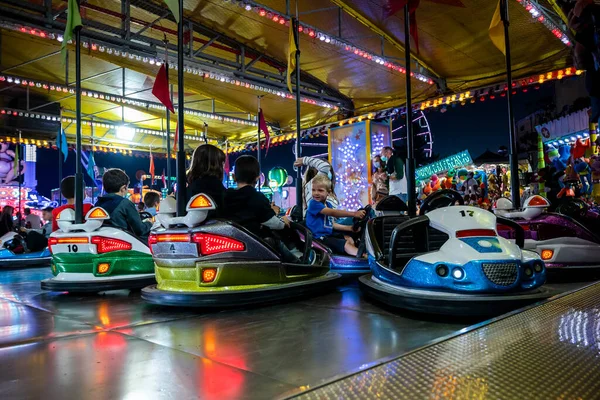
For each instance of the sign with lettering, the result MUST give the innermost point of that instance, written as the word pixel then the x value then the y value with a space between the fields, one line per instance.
pixel 461 159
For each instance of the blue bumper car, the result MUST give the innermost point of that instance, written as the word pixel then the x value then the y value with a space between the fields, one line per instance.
pixel 14 253
pixel 451 261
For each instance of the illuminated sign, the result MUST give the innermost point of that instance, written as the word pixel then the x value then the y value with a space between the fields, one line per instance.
pixel 457 160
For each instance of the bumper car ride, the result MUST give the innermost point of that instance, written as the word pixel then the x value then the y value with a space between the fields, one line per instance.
pixel 351 266
pixel 90 257
pixel 451 261
pixel 563 243
pixel 220 264
pixel 13 255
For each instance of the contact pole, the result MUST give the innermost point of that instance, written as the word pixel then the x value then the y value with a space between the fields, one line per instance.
pixel 410 140
pixel 181 185
pixel 78 168
pixel 513 148
pixel 299 194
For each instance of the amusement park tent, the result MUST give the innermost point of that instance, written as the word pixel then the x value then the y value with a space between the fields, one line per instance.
pixel 489 157
pixel 352 59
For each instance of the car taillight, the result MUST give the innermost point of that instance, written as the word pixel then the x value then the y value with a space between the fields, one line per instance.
pixel 212 244
pixel 168 237
pixel 66 240
pixel 475 232
pixel 105 245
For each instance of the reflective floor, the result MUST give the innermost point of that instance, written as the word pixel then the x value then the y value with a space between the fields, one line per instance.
pixel 115 346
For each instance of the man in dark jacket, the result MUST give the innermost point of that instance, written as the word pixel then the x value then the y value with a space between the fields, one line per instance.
pixel 123 213
pixel 396 171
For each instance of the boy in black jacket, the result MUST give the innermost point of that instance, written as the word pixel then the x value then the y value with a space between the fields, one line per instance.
pixel 250 208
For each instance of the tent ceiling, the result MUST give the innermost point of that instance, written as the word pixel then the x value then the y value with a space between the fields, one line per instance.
pixel 454 43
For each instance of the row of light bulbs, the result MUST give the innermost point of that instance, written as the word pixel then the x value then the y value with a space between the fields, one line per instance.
pixel 67 120
pixel 223 78
pixel 325 38
pixel 120 99
pixel 537 15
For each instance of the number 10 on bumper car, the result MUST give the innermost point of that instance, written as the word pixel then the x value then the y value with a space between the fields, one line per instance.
pixel 93 257
pixel 217 263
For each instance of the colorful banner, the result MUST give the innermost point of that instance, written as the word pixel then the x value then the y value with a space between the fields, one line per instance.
pixel 461 159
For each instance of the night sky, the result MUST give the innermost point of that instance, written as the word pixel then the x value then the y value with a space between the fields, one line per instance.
pixel 475 127
pixel 483 125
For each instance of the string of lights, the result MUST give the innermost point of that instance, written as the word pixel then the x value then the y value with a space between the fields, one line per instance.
pixel 329 39
pixel 204 72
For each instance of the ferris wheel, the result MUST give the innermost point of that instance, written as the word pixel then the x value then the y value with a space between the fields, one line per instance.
pixel 421 129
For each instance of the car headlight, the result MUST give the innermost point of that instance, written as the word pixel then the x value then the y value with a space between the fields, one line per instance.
pixel 528 272
pixel 458 273
pixel 442 270
pixel 538 267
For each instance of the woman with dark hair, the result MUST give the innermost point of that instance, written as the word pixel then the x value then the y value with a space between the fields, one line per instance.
pixel 6 220
pixel 206 175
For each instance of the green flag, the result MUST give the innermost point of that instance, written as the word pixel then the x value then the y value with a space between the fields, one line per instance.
pixel 17 166
pixel 174 7
pixel 73 21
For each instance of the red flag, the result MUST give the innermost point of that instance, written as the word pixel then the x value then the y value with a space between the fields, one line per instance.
pixel 164 179
pixel 160 90
pixel 262 126
pixel 176 136
pixel 393 6
pixel 151 168
pixel 227 167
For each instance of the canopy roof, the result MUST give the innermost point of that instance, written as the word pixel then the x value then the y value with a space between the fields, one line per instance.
pixel 351 60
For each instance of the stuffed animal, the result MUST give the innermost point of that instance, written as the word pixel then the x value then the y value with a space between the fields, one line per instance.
pixel 461 177
pixel 585 175
pixel 595 167
pixel 554 156
pixel 470 189
pixel 435 183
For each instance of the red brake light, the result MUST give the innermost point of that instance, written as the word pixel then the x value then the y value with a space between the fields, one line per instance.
pixel 475 232
pixel 212 244
pixel 105 245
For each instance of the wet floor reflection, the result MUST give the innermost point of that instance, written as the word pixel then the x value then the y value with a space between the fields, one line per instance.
pixel 114 345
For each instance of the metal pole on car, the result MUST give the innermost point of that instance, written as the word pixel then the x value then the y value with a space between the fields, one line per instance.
pixel 79 184
pixel 299 193
pixel 258 143
pixel 181 185
pixel 513 149
pixel 410 142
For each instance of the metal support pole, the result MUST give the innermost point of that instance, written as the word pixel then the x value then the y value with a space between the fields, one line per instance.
pixel 513 149
pixel 169 143
pixel 258 140
pixel 60 160
pixel 79 184
pixel 181 185
pixel 19 158
pixel 123 94
pixel 299 193
pixel 410 140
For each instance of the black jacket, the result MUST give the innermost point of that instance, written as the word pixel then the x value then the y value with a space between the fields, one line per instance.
pixel 211 186
pixel 247 207
pixel 124 215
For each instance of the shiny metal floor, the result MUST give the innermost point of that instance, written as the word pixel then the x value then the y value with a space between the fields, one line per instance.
pixel 551 351
pixel 115 346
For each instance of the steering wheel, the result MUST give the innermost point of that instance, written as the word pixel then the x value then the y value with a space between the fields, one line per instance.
pixel 145 215
pixel 440 199
pixel 573 208
pixel 362 222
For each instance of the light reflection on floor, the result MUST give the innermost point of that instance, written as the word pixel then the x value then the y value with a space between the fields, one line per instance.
pixel 116 346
